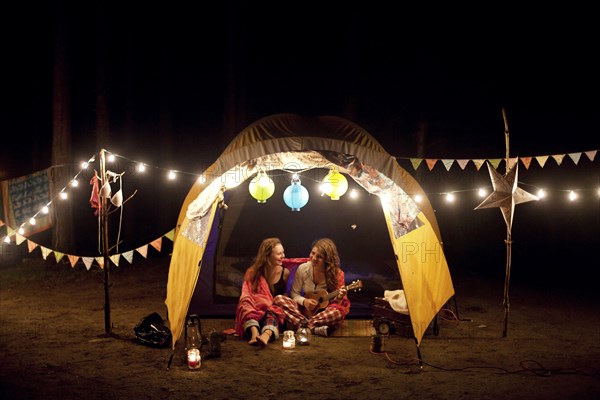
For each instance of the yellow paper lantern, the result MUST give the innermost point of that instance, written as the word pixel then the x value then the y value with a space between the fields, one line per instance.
pixel 335 184
pixel 261 187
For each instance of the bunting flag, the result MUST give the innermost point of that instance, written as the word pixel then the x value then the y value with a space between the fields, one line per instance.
pixel 526 162
pixel 558 158
pixel 542 160
pixel 87 261
pixel 575 157
pixel 462 163
pixel 115 259
pixel 430 163
pixel 58 256
pixel 128 255
pixel 157 243
pixel 478 163
pixel 143 250
pixel 170 235
pixel 495 162
pixel 19 238
pixel 45 252
pixel 31 245
pixel 448 164
pixel 73 260
pixel 416 162
pixel 591 154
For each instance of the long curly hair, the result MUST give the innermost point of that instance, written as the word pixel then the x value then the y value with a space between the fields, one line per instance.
pixel 262 262
pixel 328 250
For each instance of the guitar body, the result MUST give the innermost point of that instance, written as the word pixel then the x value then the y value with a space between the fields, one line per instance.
pixel 322 298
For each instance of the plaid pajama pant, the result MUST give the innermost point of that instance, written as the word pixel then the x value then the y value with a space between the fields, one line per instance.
pixel 330 316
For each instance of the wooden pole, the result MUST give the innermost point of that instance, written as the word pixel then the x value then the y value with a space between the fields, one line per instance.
pixel 105 246
pixel 506 301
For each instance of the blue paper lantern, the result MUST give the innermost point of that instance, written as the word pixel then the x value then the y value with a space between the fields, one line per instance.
pixel 295 196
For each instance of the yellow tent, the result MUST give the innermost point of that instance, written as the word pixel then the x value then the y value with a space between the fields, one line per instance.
pixel 288 141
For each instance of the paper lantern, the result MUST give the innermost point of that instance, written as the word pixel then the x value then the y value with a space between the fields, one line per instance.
pixel 335 184
pixel 261 187
pixel 295 196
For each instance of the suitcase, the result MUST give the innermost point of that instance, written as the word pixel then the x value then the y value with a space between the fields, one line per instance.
pixel 387 321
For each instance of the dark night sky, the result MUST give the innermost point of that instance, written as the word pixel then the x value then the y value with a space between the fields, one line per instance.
pixel 426 82
pixel 182 79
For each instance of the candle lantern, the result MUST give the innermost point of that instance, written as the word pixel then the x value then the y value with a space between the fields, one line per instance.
pixel 303 334
pixel 289 340
pixel 193 341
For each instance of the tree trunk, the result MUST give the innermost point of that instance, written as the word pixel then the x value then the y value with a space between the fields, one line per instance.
pixel 63 237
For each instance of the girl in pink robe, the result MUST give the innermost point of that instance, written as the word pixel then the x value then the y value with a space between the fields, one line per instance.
pixel 257 318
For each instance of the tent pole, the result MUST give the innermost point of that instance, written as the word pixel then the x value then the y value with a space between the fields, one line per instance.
pixel 508 235
pixel 419 354
pixel 105 249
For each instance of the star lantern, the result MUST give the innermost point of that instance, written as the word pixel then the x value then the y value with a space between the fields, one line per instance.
pixel 506 194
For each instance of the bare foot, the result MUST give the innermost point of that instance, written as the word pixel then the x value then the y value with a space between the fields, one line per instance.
pixel 264 338
pixel 253 341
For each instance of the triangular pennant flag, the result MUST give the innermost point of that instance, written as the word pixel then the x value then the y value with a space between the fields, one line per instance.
pixel 462 163
pixel 170 235
pixel 416 162
pixel 58 256
pixel 45 252
pixel 542 160
pixel 495 162
pixel 591 154
pixel 558 158
pixel 9 231
pixel 157 243
pixel 73 260
pixel 31 245
pixel 19 238
pixel 447 164
pixel 143 250
pixel 430 163
pixel 512 162
pixel 575 157
pixel 478 163
pixel 115 259
pixel 100 261
pixel 1 224
pixel 88 262
pixel 526 161
pixel 128 255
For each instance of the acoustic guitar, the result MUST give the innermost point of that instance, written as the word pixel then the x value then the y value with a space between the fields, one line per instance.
pixel 322 298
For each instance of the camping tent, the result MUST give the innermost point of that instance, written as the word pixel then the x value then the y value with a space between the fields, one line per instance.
pixel 294 143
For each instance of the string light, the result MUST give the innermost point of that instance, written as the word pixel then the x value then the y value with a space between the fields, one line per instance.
pixel 572 196
pixel 230 183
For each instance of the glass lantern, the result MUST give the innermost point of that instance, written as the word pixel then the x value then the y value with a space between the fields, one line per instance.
pixel 303 334
pixel 193 341
pixel 289 340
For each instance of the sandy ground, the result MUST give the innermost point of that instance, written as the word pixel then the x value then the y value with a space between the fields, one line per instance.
pixel 53 346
